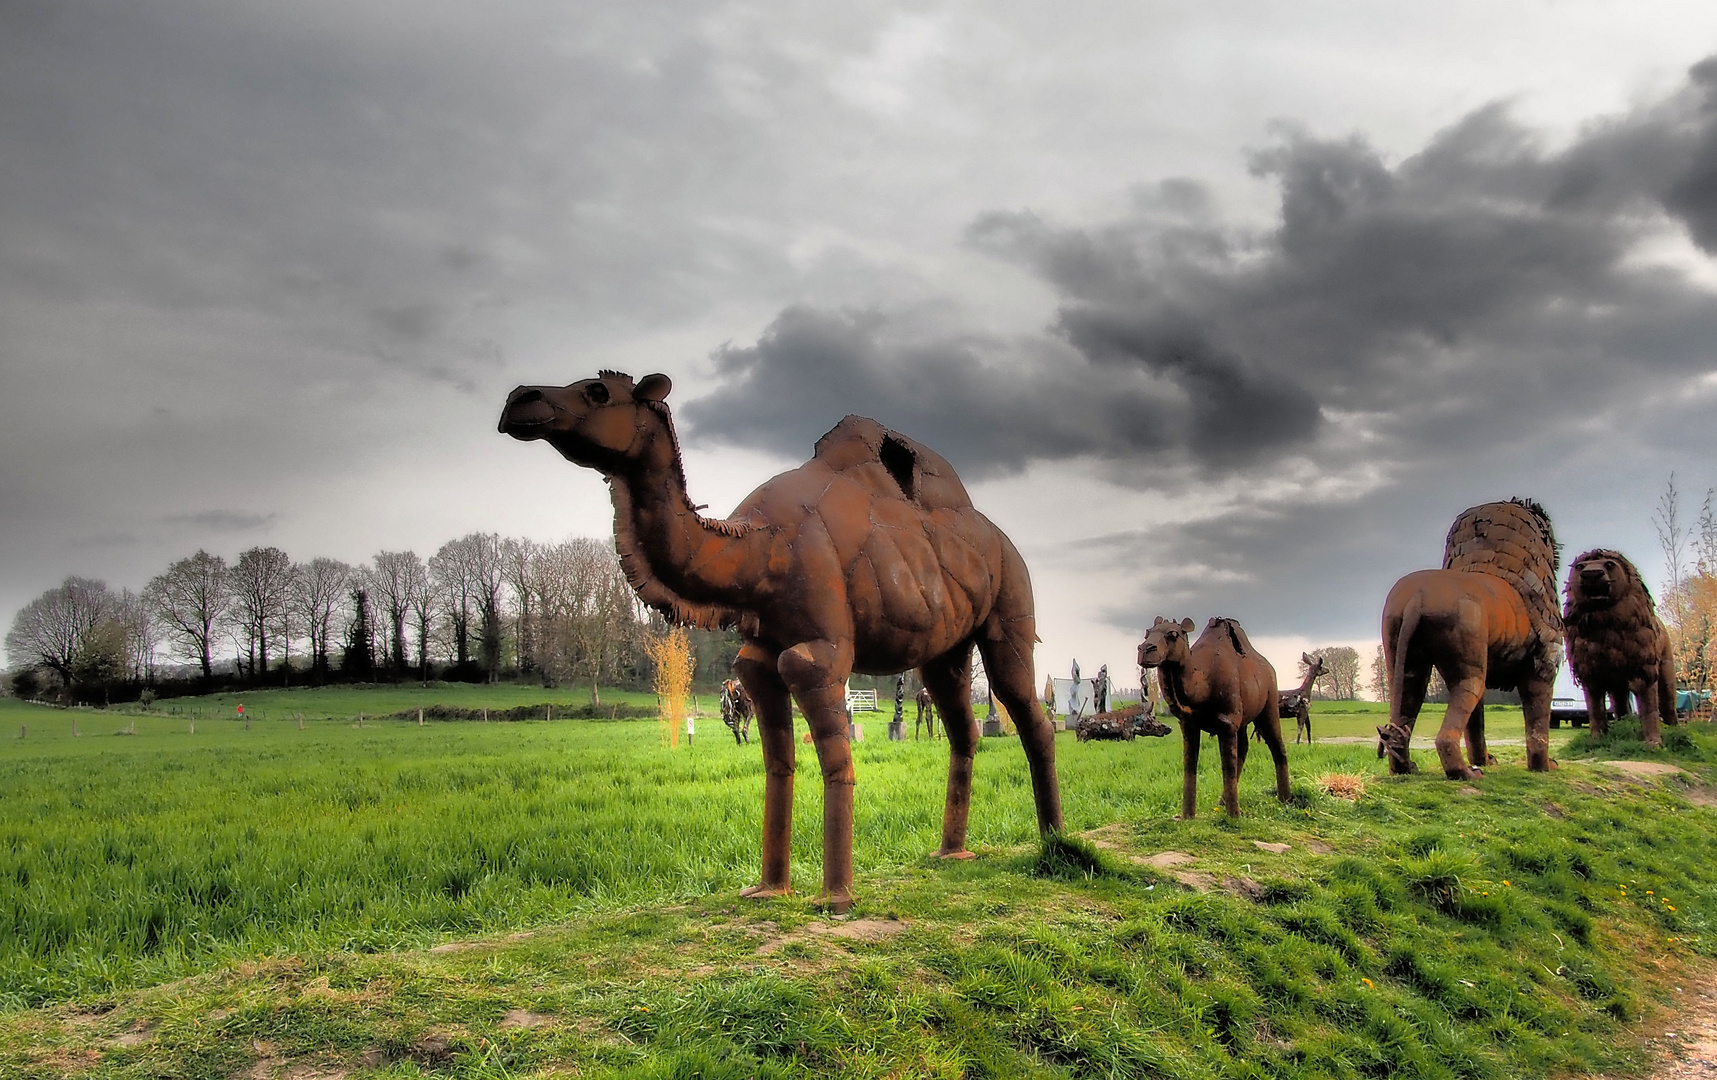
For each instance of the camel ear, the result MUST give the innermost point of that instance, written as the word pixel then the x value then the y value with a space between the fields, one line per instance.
pixel 653 388
pixel 1186 625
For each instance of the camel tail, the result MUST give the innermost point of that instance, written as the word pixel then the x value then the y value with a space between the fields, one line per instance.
pixel 1398 666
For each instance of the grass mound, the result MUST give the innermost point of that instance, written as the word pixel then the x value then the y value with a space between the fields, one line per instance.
pixel 1623 740
pixel 519 713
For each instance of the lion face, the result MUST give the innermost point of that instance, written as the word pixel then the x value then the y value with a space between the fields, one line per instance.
pixel 1600 578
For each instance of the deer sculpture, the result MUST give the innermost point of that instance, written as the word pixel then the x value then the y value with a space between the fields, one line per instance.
pixel 1298 702
pixel 868 558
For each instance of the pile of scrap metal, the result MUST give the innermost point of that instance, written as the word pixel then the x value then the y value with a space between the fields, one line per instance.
pixel 1127 723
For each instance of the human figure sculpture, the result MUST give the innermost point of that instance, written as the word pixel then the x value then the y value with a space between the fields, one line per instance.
pixel 926 712
pixel 868 558
pixel 1100 690
pixel 1617 645
pixel 1219 684
pixel 1298 702
pixel 1487 619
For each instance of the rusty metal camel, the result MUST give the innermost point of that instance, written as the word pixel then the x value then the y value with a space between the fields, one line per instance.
pixel 1218 684
pixel 868 558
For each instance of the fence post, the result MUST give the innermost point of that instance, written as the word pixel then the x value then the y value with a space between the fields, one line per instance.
pixel 420 716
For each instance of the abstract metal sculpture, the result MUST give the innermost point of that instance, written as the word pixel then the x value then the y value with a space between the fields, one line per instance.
pixel 867 558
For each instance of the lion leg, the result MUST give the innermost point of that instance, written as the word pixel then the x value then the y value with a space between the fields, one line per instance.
pixel 1597 712
pixel 949 678
pixel 1464 696
pixel 1649 721
pixel 756 670
pixel 1477 752
pixel 1535 695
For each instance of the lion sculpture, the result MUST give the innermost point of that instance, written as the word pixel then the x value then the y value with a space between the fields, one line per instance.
pixel 1616 643
pixel 1488 619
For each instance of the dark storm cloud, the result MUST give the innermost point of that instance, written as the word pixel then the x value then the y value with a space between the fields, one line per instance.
pixel 1431 298
pixel 222 521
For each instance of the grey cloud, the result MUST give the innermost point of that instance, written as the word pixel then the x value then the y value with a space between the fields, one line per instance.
pixel 222 521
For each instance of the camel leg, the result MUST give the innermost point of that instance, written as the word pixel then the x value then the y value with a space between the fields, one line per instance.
pixel 756 670
pixel 1477 752
pixel 1650 729
pixel 1189 735
pixel 949 678
pixel 1229 744
pixel 1009 666
pixel 1535 694
pixel 1270 726
pixel 816 673
pixel 1464 696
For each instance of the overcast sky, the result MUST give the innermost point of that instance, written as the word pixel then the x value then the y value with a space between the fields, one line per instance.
pixel 1218 307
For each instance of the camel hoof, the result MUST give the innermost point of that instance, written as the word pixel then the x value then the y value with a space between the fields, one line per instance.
pixel 835 904
pixel 961 854
pixel 764 892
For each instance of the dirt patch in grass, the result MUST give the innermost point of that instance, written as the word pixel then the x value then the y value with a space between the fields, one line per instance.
pixel 1686 1048
pixel 849 930
pixel 1645 768
pixel 524 1018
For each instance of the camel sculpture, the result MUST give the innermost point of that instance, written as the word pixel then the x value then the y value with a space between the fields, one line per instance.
pixel 926 712
pixel 1617 645
pixel 868 558
pixel 1298 702
pixel 1487 619
pixel 1218 684
pixel 736 710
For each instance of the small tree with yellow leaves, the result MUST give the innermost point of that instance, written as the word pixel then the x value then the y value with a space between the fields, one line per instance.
pixel 671 653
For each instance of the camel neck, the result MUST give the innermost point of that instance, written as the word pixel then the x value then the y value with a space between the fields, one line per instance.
pixel 666 547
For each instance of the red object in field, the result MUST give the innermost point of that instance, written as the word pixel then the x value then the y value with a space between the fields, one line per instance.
pixel 241 710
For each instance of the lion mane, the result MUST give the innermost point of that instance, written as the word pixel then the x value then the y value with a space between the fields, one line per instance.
pixel 1615 638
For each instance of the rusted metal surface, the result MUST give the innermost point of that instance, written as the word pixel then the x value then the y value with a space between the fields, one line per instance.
pixel 1488 619
pixel 1217 684
pixel 1617 646
pixel 868 558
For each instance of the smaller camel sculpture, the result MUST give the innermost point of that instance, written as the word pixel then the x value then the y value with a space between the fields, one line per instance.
pixel 868 558
pixel 1218 684
pixel 926 712
pixel 1298 702
pixel 736 710
pixel 1617 645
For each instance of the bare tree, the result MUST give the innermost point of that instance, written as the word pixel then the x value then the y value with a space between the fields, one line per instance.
pixel 1672 535
pixel 190 599
pixel 1379 676
pixel 261 587
pixel 421 599
pixel 450 571
pixel 142 635
pixel 318 594
pixel 1340 679
pixel 391 576
pixel 589 613
pixel 468 570
pixel 52 630
pixel 518 565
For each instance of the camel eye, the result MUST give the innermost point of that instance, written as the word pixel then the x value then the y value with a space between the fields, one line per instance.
pixel 1609 566
pixel 597 393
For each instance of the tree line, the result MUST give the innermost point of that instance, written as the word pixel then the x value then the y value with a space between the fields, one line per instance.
pixel 482 608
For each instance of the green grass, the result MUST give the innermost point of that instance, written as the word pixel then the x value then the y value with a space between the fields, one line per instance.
pixel 188 905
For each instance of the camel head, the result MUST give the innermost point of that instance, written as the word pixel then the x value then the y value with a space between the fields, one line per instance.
pixel 1166 642
pixel 596 422
pixel 1599 578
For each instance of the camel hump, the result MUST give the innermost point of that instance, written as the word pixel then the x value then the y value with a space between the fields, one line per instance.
pixel 891 465
pixel 1514 541
pixel 1230 630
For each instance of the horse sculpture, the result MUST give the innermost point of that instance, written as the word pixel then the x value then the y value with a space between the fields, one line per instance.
pixel 926 712
pixel 868 558
pixel 736 710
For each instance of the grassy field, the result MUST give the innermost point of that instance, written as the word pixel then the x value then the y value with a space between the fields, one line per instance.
pixel 559 898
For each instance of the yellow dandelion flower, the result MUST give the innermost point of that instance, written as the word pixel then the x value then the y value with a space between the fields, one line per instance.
pixel 1368 982
pixel 1669 905
pixel 1505 881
